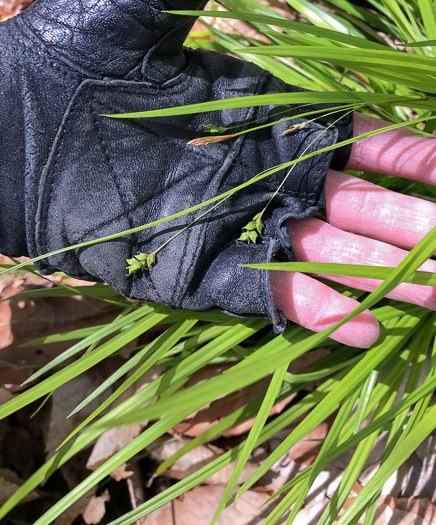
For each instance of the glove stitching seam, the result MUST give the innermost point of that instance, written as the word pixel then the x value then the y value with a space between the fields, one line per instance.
pixel 50 61
pixel 36 40
pixel 151 64
pixel 126 213
pixel 30 49
pixel 48 196
pixel 232 155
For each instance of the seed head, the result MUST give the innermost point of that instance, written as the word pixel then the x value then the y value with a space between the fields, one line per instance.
pixel 211 128
pixel 250 226
pixel 244 237
pixel 252 230
pixel 295 127
pixel 141 261
pixel 210 140
pixel 252 236
pixel 151 259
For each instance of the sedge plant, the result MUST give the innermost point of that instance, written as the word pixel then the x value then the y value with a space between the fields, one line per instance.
pixel 345 55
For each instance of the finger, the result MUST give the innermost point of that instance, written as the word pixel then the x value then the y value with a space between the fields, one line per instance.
pixel 396 152
pixel 317 241
pixel 364 208
pixel 315 306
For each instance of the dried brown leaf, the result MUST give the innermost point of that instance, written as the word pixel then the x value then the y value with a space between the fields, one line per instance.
pixel 196 459
pixel 114 439
pixel 69 516
pixel 419 507
pixel 9 8
pixel 96 509
pixel 64 400
pixel 197 507
pixel 10 483
pixel 27 319
pixel 306 450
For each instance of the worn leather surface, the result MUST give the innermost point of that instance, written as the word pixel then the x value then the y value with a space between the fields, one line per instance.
pixel 78 176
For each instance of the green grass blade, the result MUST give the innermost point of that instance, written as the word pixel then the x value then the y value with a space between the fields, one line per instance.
pixel 352 57
pixel 85 363
pixel 66 336
pixel 97 335
pixel 423 43
pixel 347 270
pixel 292 498
pixel 395 460
pixel 164 342
pixel 364 398
pixel 370 19
pixel 253 437
pixel 428 9
pixel 289 24
pixel 338 97
pixel 95 291
pixel 322 18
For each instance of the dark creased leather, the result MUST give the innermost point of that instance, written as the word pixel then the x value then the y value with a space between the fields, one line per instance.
pixel 115 38
pixel 85 176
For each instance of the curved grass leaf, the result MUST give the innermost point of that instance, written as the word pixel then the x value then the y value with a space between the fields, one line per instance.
pixel 347 270
pixel 314 97
pixel 85 363
pixel 396 60
pixel 285 23
pixel 97 334
pixel 392 463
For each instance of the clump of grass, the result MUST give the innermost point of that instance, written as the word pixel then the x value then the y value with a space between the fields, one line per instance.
pixel 343 58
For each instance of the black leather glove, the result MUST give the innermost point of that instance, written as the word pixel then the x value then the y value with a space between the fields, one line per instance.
pixel 69 175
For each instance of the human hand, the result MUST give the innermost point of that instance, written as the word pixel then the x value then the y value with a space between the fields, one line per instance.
pixel 365 224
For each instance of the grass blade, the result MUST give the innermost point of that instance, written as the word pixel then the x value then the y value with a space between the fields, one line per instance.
pixel 83 364
pixel 347 270
pixel 392 463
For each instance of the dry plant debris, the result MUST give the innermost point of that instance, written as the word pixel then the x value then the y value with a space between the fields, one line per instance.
pixel 9 8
